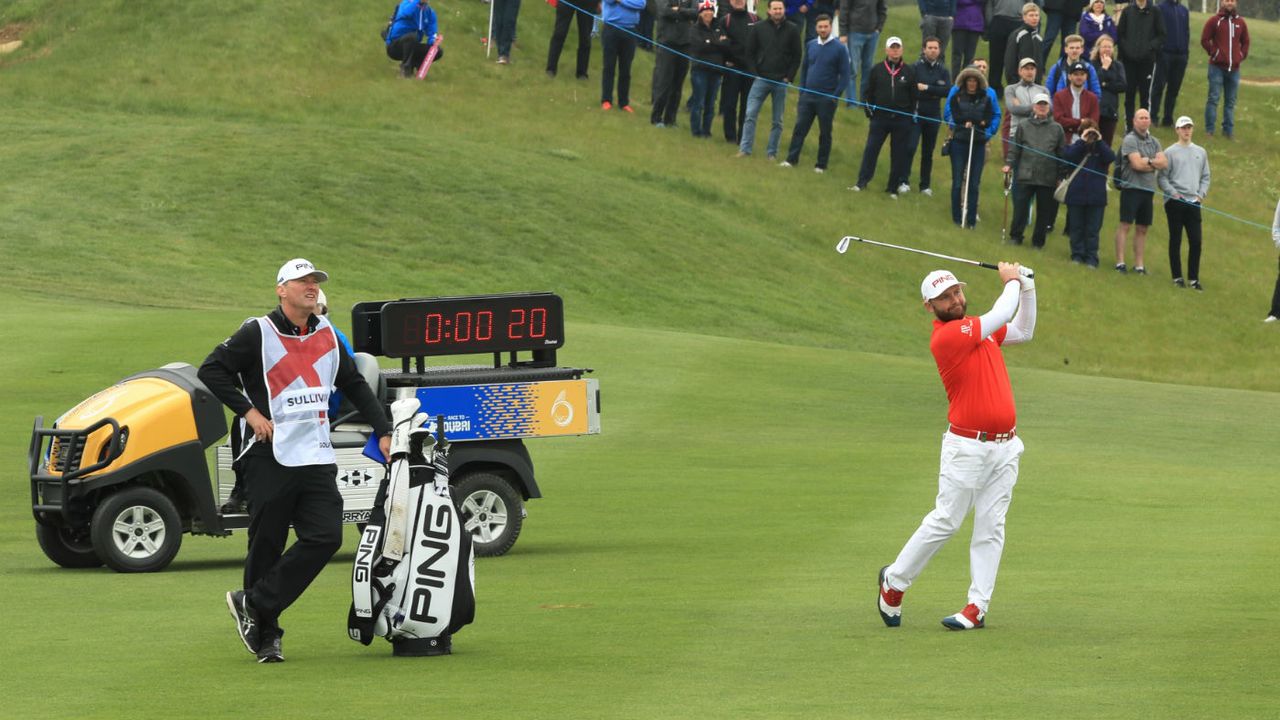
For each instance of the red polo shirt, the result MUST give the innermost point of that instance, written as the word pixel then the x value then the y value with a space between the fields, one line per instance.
pixel 974 375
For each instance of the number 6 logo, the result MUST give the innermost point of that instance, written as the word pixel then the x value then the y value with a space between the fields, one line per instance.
pixel 561 411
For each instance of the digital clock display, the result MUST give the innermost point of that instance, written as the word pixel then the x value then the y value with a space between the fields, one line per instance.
pixel 474 324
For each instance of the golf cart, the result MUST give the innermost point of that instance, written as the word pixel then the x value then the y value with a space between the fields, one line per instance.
pixel 120 477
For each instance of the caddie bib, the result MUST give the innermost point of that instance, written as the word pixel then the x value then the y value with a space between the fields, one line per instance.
pixel 299 371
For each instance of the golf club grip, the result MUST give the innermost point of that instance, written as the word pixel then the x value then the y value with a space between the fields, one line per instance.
pixel 440 438
pixel 989 266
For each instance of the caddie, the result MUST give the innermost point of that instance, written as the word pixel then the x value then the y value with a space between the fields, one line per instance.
pixel 980 449
pixel 288 362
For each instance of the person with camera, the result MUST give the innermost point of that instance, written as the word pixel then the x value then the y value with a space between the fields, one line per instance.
pixel 1086 199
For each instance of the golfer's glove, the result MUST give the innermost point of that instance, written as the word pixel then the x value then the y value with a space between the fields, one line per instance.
pixel 1026 279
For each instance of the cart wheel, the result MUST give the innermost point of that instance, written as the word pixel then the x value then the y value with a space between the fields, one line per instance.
pixel 136 530
pixel 69 547
pixel 491 510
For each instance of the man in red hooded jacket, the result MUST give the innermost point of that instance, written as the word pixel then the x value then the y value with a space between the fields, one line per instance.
pixel 1226 38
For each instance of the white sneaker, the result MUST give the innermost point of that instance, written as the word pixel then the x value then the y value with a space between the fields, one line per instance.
pixel 855 188
pixel 904 188
pixel 927 192
pixel 1270 318
pixel 784 163
pixel 819 170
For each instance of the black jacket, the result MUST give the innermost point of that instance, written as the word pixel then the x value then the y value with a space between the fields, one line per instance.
pixel 237 362
pixel 672 20
pixel 736 24
pixel 1140 33
pixel 1025 42
pixel 708 44
pixel 1113 83
pixel 974 108
pixel 937 79
pixel 889 91
pixel 773 51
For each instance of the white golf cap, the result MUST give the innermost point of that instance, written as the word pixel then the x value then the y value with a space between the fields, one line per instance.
pixel 1183 121
pixel 321 300
pixel 299 268
pixel 936 283
pixel 1025 62
pixel 1040 98
pixel 895 40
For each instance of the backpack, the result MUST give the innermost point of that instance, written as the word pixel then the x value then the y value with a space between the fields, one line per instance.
pixel 413 581
pixel 390 21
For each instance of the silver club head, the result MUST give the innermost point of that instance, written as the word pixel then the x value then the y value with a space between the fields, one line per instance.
pixel 843 246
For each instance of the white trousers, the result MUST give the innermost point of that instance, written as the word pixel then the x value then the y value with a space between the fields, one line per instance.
pixel 973 475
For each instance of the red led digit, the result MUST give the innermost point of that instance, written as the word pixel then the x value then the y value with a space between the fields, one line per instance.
pixel 462 326
pixel 515 327
pixel 435 322
pixel 484 325
pixel 537 322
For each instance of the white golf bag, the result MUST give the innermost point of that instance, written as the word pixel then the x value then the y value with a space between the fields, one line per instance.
pixel 414 577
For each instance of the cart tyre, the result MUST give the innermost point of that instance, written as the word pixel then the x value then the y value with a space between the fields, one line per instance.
pixel 491 509
pixel 67 546
pixel 136 530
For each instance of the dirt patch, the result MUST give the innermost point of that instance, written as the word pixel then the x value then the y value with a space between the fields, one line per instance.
pixel 13 31
pixel 1263 82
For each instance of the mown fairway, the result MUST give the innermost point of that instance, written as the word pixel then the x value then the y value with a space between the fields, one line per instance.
pixel 771 418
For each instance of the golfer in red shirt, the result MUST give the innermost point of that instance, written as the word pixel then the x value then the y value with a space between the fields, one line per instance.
pixel 980 449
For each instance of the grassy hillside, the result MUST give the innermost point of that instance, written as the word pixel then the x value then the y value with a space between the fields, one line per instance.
pixel 172 154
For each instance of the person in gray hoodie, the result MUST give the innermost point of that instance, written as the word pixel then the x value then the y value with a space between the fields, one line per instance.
pixel 1184 182
pixel 1035 151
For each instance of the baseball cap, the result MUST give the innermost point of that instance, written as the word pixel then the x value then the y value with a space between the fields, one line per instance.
pixel 1183 121
pixel 1040 98
pixel 1025 62
pixel 321 300
pixel 936 283
pixel 299 268
pixel 1078 66
pixel 895 40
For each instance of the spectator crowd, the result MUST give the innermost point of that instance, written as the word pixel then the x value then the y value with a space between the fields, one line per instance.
pixel 1057 79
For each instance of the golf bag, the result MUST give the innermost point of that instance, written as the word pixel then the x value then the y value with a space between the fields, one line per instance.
pixel 413 582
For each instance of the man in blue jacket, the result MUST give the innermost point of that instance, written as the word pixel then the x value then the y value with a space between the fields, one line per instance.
pixel 619 43
pixel 1171 65
pixel 826 76
pixel 412 33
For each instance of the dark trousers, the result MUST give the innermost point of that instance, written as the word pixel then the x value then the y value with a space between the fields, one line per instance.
pixel 897 128
pixel 1275 299
pixel 1138 74
pixel 813 106
pixel 1046 211
pixel 410 53
pixel 1085 222
pixel 279 496
pixel 1165 86
pixel 998 32
pixel 669 71
pixel 619 50
pixel 959 153
pixel 645 30
pixel 564 17
pixel 505 13
pixel 1183 216
pixel 702 101
pixel 733 103
pixel 964 48
pixel 924 136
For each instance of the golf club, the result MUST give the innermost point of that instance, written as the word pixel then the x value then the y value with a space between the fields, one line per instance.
pixel 842 247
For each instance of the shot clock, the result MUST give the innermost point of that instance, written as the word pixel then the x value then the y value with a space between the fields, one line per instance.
pixel 426 327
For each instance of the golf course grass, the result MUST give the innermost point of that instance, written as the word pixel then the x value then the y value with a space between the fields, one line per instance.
pixel 771 417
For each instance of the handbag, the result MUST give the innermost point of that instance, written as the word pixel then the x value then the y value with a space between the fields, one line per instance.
pixel 1060 192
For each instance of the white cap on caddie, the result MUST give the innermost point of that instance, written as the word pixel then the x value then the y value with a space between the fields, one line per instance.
pixel 936 283
pixel 298 268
